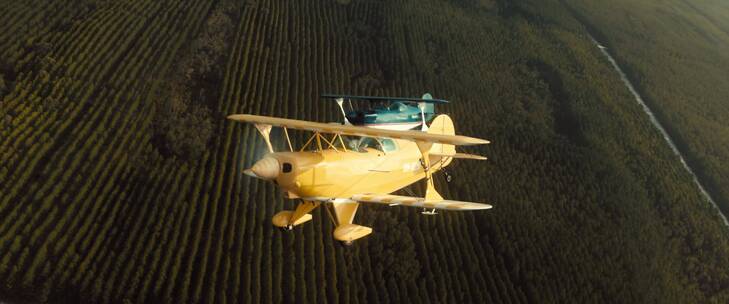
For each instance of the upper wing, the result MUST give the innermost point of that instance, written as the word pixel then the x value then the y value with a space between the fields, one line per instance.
pixel 457 140
pixel 418 202
pixel 430 100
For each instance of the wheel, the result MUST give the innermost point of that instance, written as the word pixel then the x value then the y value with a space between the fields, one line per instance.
pixel 290 227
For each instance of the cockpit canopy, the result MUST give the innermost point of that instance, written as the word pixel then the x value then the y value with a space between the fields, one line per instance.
pixel 398 106
pixel 360 144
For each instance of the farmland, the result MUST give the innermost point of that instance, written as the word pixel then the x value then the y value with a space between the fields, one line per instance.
pixel 120 179
pixel 681 70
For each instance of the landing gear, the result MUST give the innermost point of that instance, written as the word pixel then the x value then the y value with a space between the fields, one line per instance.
pixel 345 245
pixel 289 227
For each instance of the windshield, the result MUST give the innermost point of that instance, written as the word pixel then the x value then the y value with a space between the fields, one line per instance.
pixel 388 145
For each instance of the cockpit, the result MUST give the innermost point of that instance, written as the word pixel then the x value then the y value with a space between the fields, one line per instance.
pixel 398 106
pixel 360 144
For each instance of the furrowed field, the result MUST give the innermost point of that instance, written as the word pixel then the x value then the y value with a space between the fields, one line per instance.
pixel 120 179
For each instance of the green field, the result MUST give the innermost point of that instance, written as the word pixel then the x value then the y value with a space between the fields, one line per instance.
pixel 120 179
pixel 677 53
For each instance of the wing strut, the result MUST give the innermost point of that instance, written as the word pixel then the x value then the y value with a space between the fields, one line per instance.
pixel 421 106
pixel 430 193
pixel 340 102
pixel 265 130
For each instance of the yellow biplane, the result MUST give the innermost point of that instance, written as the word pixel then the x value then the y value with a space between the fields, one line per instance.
pixel 357 164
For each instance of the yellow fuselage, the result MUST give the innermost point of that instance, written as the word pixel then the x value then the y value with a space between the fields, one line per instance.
pixel 341 174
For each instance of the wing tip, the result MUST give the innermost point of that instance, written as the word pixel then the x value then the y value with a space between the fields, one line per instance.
pixel 237 117
pixel 476 206
pixel 486 207
pixel 467 140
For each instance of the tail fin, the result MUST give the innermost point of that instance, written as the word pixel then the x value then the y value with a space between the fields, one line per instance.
pixel 429 107
pixel 442 124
